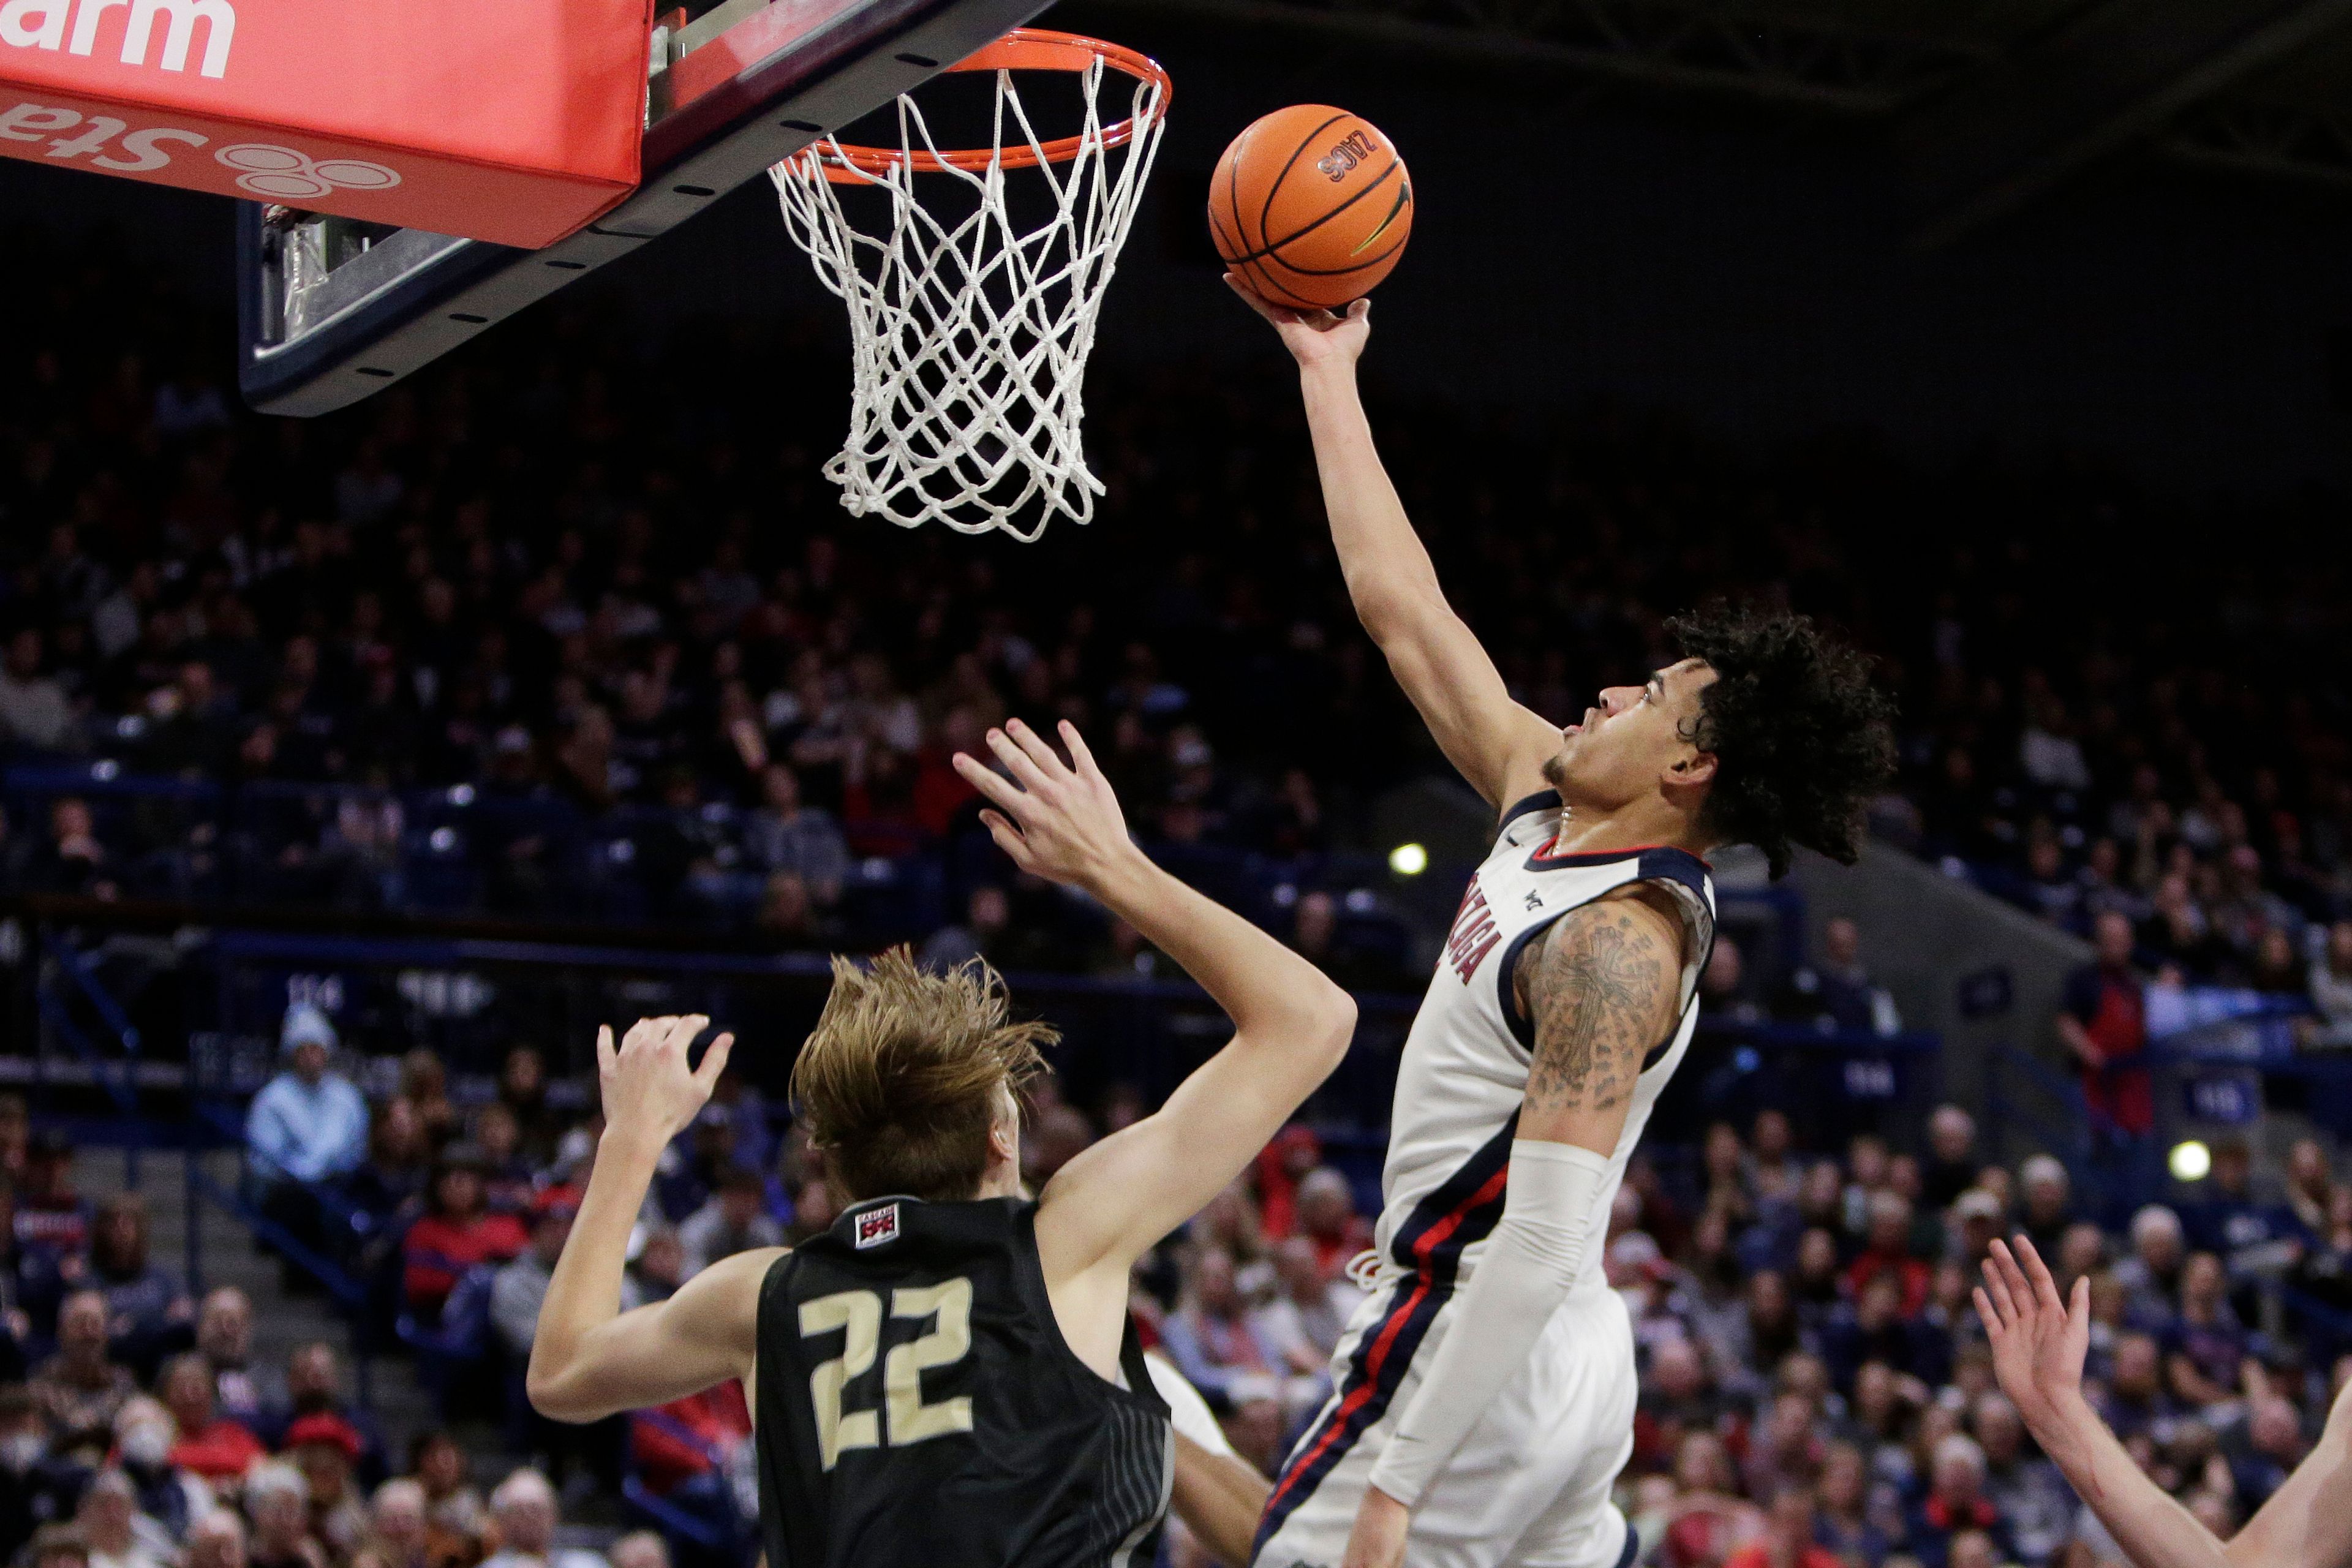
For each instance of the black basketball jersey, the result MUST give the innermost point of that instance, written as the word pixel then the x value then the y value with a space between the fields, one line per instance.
pixel 918 1407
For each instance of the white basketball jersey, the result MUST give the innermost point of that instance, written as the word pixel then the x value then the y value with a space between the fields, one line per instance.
pixel 1466 1062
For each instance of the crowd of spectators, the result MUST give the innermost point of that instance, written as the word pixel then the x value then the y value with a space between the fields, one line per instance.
pixel 574 628
pixel 140 1429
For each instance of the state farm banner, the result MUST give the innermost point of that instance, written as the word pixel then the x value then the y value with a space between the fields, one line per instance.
pixel 512 121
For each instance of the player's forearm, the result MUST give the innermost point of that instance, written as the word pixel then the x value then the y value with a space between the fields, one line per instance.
pixel 584 1293
pixel 1270 992
pixel 1388 569
pixel 2154 1530
pixel 1219 1498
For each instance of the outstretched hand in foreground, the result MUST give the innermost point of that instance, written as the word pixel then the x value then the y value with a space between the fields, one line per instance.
pixel 1313 337
pixel 2038 1340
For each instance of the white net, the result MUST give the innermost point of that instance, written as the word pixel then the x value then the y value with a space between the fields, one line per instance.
pixel 968 331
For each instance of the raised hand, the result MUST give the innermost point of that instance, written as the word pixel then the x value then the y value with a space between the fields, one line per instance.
pixel 1313 337
pixel 1055 819
pixel 649 1092
pixel 2038 1341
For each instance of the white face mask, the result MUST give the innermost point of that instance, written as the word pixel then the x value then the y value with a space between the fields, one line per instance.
pixel 146 1443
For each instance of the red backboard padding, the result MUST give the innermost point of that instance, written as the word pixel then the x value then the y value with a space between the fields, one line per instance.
pixel 514 120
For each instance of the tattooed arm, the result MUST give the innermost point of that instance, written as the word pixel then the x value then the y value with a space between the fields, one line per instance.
pixel 1602 988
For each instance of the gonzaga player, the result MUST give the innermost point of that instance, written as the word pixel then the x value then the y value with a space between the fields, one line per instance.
pixel 1482 1397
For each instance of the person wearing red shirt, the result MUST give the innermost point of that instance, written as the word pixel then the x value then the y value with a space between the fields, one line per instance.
pixel 1890 1251
pixel 1281 1166
pixel 2103 1022
pixel 210 1445
pixel 675 1442
pixel 1787 1539
pixel 1328 1217
pixel 457 1233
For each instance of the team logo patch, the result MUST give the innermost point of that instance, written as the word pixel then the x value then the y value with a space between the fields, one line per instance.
pixel 875 1226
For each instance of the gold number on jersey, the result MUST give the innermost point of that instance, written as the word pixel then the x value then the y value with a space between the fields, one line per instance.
pixel 911 1420
pixel 858 1315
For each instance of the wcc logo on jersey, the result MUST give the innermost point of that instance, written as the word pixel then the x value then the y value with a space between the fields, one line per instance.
pixel 875 1226
pixel 1473 935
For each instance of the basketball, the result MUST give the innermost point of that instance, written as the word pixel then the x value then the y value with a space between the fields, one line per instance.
pixel 1312 206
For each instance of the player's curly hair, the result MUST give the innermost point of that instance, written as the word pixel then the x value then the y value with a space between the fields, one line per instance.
pixel 899 1079
pixel 1801 736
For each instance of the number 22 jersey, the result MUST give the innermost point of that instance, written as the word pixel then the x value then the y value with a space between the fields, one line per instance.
pixel 918 1407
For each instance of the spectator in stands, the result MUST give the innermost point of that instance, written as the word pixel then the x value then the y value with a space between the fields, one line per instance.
pixel 392 1181
pixel 437 1464
pixel 1215 1342
pixel 1328 1219
pixel 1844 1523
pixel 148 1314
pixel 2103 1022
pixel 1837 993
pixel 307 1127
pixel 733 1220
pixel 2228 1220
pixel 2048 1207
pixel 1710 1519
pixel 658 1268
pixel 984 932
pixel 455 1233
pixel 523 1090
pixel 225 1339
pixel 52 1222
pixel 81 1389
pixel 1723 984
pixel 524 1509
pixel 2024 1486
pixel 1888 1252
pixel 24 1469
pixel 57 1546
pixel 509 1177
pixel 215 1447
pixel 424 1084
pixel 35 710
pixel 397 1529
pixel 1309 1310
pixel 326 1449
pixel 784 835
pixel 520 1287
pixel 2137 1404
pixel 1952 1163
pixel 116 1534
pixel 277 1501
pixel 688 1451
pixel 314 1386
pixel 638 1549
pixel 2206 1347
pixel 2151 1275
pixel 216 1539
pixel 143 1451
pixel 1281 1164
pixel 1874 1329
pixel 1789 1539
pixel 1955 1502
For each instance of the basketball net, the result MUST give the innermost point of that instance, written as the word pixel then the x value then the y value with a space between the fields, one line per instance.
pixel 969 336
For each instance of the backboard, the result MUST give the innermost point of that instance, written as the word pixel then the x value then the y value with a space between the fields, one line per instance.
pixel 332 310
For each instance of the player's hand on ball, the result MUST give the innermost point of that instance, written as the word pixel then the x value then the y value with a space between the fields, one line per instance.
pixel 2038 1340
pixel 1378 1539
pixel 649 1091
pixel 1055 819
pixel 1313 337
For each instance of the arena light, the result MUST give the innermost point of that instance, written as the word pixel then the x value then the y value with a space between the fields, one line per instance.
pixel 1408 860
pixel 2190 1160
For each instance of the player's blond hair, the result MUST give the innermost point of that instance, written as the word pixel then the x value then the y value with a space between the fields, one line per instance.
pixel 898 1080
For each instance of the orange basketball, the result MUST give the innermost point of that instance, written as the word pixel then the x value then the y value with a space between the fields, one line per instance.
pixel 1312 206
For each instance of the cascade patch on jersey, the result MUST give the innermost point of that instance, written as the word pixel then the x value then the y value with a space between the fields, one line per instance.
pixel 877 1226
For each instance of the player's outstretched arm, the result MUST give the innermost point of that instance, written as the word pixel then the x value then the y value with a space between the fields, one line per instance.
pixel 1497 744
pixel 589 1359
pixel 1602 988
pixel 1291 1024
pixel 2038 1344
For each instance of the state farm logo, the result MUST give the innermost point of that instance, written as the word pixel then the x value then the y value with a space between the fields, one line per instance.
pixel 73 26
pixel 282 174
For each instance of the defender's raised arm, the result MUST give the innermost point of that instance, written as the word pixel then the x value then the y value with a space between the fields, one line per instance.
pixel 1496 743
pixel 1291 1024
